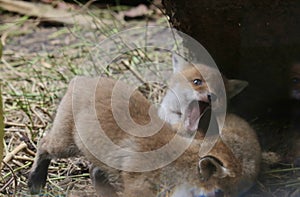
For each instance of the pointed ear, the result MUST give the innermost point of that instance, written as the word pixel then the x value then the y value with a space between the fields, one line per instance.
pixel 179 63
pixel 223 172
pixel 211 166
pixel 234 87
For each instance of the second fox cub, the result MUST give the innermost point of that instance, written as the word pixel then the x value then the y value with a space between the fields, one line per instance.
pixel 187 84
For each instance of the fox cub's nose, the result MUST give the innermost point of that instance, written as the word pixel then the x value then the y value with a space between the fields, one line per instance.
pixel 211 97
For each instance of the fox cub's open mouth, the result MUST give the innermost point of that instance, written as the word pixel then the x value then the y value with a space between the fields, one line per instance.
pixel 196 109
pixel 199 108
pixel 204 107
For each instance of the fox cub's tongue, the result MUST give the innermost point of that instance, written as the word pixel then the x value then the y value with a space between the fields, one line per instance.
pixel 192 116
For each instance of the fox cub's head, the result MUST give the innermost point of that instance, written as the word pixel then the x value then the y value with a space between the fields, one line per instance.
pixel 189 84
pixel 198 82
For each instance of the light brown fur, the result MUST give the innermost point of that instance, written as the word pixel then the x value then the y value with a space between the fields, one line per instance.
pixel 237 147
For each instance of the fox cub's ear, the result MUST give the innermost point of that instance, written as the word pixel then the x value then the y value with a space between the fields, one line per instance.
pixel 179 63
pixel 234 87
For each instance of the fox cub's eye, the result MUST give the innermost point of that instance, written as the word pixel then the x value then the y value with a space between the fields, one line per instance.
pixel 197 82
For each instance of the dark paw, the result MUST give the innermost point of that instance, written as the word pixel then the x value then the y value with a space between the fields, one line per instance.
pixel 38 175
pixel 35 183
pixel 101 183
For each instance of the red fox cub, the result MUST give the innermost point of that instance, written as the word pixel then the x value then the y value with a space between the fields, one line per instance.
pixel 187 84
pixel 228 169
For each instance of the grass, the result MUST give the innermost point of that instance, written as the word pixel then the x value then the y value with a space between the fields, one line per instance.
pixel 1 125
pixel 38 62
pixel 35 73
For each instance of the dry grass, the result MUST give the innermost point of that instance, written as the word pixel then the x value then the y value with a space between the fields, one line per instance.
pixel 37 64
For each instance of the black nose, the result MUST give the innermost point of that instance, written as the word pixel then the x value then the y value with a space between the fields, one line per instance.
pixel 211 97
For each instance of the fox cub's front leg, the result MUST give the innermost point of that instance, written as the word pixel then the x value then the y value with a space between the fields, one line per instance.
pixel 57 143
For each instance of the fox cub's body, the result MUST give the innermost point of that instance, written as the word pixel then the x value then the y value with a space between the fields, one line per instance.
pixel 94 109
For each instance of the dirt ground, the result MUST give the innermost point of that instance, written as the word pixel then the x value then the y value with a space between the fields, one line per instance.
pixel 40 58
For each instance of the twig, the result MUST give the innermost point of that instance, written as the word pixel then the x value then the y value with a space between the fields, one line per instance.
pixel 17 169
pixel 24 125
pixel 38 115
pixel 10 66
pixel 13 178
pixel 73 176
pixel 17 163
pixel 23 158
pixel 30 152
pixel 10 155
pixel 9 144
pixel 45 112
pixel 134 72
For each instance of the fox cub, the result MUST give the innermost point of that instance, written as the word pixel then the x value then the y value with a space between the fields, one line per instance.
pixel 86 118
